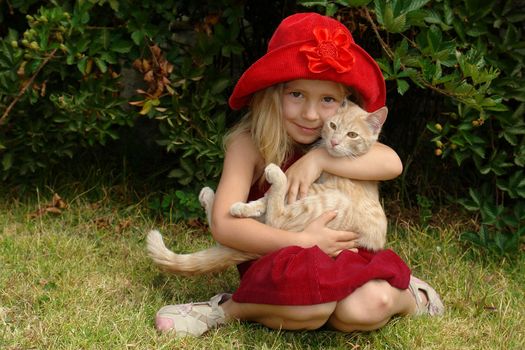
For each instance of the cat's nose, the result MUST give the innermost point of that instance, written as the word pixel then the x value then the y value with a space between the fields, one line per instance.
pixel 334 142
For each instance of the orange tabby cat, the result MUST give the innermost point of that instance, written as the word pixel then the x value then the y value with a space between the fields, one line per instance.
pixel 349 133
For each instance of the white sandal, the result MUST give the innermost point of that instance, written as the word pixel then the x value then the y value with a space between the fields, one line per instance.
pixel 193 319
pixel 434 306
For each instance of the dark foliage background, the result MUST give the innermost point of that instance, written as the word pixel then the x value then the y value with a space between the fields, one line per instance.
pixel 142 87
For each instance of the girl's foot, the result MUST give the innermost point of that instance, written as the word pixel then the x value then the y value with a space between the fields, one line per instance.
pixel 192 319
pixel 433 305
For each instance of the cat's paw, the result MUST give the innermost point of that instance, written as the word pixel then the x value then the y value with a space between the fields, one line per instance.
pixel 274 175
pixel 206 197
pixel 239 210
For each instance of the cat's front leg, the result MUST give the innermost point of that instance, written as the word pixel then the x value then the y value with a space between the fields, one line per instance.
pixel 275 176
pixel 252 209
pixel 276 194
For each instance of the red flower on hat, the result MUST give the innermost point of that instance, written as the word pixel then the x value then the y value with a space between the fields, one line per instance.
pixel 331 51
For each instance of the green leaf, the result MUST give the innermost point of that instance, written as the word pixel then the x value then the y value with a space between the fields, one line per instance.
pixel 460 29
pixel 105 38
pixel 331 9
pixel 413 5
pixel 471 236
pixel 220 85
pixel 434 38
pixel 185 181
pixel 101 65
pixel 357 3
pixel 121 46
pixel 489 213
pixel 402 86
pixel 514 185
pixel 322 3
pixel 391 23
pixel 461 156
pixel 479 150
pixel 7 161
pixel 379 7
pixel 82 64
pixel 448 14
pixel 137 37
pixel 177 173
pixel 114 5
pixel 432 17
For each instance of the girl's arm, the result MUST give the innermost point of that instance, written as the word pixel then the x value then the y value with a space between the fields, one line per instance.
pixel 379 163
pixel 242 166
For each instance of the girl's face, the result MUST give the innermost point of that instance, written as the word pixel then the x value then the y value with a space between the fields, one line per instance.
pixel 307 104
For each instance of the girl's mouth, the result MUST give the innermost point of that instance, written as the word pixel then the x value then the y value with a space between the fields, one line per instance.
pixel 306 130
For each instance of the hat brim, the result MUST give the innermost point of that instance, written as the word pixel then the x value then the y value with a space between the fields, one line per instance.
pixel 274 67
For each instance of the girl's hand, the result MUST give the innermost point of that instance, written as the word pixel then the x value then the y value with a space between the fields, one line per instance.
pixel 303 173
pixel 332 242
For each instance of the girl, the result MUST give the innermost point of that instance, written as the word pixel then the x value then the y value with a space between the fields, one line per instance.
pixel 317 276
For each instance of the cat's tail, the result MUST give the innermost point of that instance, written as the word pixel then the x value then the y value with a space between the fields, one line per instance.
pixel 213 259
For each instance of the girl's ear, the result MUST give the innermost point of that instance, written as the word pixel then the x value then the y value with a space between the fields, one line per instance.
pixel 377 119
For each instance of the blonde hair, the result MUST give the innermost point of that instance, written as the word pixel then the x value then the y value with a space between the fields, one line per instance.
pixel 265 123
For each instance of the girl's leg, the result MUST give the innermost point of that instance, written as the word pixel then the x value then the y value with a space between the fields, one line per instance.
pixel 307 317
pixel 197 318
pixel 372 305
pixel 369 307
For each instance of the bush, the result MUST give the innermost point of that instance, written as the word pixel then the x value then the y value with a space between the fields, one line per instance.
pixel 74 75
pixel 58 93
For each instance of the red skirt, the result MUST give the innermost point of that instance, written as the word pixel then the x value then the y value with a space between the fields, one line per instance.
pixel 307 276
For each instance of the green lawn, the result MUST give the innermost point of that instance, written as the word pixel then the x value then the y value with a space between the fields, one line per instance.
pixel 82 280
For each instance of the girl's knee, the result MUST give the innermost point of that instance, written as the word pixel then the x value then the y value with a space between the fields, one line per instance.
pixel 372 303
pixel 381 301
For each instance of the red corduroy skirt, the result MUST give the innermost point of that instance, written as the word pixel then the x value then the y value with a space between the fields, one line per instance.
pixel 307 276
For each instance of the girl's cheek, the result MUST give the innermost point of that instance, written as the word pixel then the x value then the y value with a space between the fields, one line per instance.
pixel 330 112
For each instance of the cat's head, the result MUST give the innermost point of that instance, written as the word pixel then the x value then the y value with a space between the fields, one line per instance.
pixel 352 131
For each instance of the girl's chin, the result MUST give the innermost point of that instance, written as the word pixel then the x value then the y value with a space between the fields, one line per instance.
pixel 305 140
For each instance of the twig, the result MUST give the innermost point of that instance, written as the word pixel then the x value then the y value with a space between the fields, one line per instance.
pixel 384 45
pixel 22 91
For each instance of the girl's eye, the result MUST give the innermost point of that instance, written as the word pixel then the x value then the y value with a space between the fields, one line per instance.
pixel 333 126
pixel 295 94
pixel 352 134
pixel 328 99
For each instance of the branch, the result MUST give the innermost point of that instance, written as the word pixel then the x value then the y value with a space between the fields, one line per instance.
pixel 384 45
pixel 22 91
pixel 391 55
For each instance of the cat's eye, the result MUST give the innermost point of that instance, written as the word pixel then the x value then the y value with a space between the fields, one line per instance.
pixel 352 134
pixel 333 126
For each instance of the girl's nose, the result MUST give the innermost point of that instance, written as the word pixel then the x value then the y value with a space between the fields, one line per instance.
pixel 310 112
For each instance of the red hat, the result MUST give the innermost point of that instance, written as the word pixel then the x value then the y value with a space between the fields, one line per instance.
pixel 312 46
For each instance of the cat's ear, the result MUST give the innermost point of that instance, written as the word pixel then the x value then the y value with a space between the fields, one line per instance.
pixel 377 119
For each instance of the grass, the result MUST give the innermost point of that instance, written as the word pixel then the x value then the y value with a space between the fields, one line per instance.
pixel 81 280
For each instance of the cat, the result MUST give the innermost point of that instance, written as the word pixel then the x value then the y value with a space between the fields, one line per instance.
pixel 351 132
